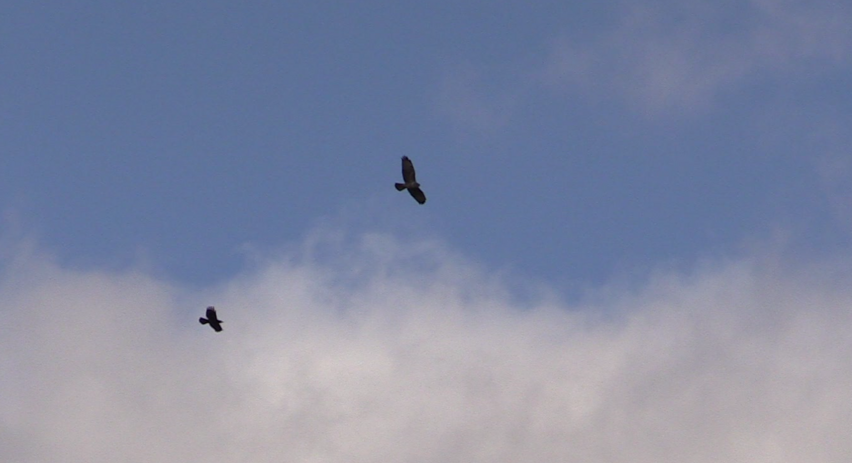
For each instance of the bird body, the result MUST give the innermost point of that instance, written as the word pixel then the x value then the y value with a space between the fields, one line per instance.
pixel 410 181
pixel 211 319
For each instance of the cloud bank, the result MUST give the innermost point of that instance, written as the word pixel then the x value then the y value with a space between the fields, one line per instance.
pixel 400 351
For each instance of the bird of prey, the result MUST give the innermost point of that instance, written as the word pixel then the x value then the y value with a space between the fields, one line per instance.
pixel 211 319
pixel 410 181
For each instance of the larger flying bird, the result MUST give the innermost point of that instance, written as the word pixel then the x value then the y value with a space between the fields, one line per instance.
pixel 211 319
pixel 410 181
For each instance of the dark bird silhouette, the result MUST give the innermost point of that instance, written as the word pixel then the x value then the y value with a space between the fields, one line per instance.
pixel 410 180
pixel 211 320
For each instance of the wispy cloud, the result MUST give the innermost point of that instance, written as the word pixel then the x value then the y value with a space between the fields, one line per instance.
pixel 739 362
pixel 463 97
pixel 667 56
pixel 834 167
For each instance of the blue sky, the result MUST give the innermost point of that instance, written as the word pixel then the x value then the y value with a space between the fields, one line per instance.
pixel 665 183
pixel 567 143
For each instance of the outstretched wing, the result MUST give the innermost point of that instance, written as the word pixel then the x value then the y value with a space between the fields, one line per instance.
pixel 408 170
pixel 211 313
pixel 418 195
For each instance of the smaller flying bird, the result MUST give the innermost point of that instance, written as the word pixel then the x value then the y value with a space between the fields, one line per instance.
pixel 410 181
pixel 211 319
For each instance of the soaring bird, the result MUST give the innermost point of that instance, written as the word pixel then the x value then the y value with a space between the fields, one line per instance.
pixel 211 319
pixel 410 181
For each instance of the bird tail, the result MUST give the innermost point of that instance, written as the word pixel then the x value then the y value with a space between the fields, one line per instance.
pixel 202 320
pixel 399 186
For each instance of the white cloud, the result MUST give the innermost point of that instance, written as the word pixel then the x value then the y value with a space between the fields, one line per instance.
pixel 394 354
pixel 673 56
